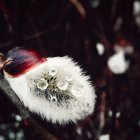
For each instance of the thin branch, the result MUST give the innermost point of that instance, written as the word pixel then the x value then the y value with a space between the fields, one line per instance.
pixel 24 112
pixel 80 8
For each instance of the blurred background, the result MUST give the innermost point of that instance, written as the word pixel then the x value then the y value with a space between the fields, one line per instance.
pixel 104 37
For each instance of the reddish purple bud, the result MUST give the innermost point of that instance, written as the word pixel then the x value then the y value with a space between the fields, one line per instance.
pixel 20 61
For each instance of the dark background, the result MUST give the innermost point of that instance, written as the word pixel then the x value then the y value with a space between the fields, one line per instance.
pixel 74 27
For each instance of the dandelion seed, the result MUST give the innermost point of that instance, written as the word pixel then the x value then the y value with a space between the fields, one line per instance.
pixel 42 84
pixel 52 72
pixel 62 85
pixel 53 99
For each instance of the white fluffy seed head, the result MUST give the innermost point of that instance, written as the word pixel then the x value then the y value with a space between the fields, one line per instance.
pixel 58 90
pixel 117 63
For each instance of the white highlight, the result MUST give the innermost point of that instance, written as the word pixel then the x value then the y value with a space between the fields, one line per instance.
pixel 73 109
pixel 104 137
pixel 118 23
pixel 137 19
pixel 79 130
pixel 110 113
pixel 18 118
pixel 136 7
pixel 2 137
pixel 118 114
pixel 139 123
pixel 100 48
pixel 136 12
pixel 117 63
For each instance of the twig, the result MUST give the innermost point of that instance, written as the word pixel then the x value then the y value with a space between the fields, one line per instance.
pixel 24 112
pixel 80 8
